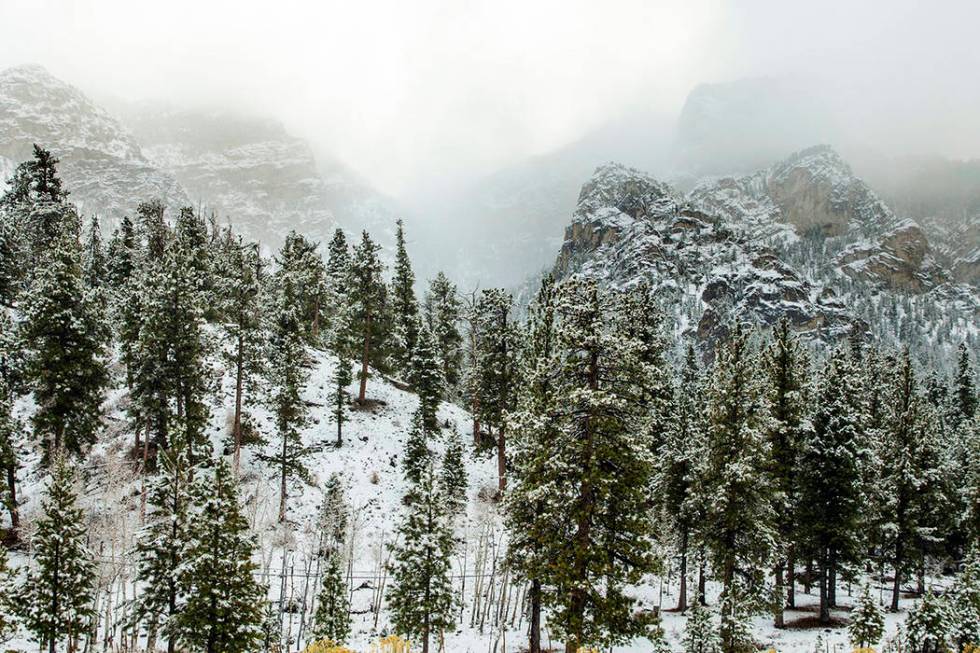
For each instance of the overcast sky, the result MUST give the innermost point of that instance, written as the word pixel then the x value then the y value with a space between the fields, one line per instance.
pixel 405 91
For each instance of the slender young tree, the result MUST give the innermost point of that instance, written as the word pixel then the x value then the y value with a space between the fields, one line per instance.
pixel 425 373
pixel 11 433
pixel 422 600
pixel 528 523
pixel 417 455
pixel 94 263
pixel 368 305
pixel 453 481
pixel 239 281
pixel 287 376
pixel 867 623
pixel 442 314
pixel 161 550
pixel 404 306
pixel 56 597
pixel 332 619
pixel 221 600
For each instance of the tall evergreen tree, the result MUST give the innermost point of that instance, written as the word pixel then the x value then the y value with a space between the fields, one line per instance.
pixel 11 432
pixel 786 366
pixel 442 313
pixel 425 373
pixel 56 597
pixel 595 525
pixel 927 627
pixel 679 455
pixel 910 475
pixel 495 372
pixel 300 260
pixel 222 601
pixel 417 455
pixel 738 519
pixel 404 306
pixel 964 390
pixel 288 371
pixel 828 479
pixel 120 254
pixel 162 546
pixel 67 337
pixel 240 289
pixel 422 599
pixel 368 305
pixel 8 601
pixel 528 523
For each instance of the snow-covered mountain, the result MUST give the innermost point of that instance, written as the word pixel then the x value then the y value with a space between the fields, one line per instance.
pixel 254 174
pixel 804 238
pixel 101 162
pixel 248 171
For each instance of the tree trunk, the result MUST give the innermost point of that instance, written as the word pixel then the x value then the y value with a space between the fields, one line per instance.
pixel 832 582
pixel 808 576
pixel 791 578
pixel 12 505
pixel 702 580
pixel 282 483
pixel 824 608
pixel 237 427
pixel 340 421
pixel 501 459
pixel 365 354
pixel 778 603
pixel 682 596
pixel 534 643
pixel 727 607
pixel 897 584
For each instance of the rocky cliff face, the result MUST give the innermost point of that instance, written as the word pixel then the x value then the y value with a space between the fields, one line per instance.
pixel 804 239
pixel 629 226
pixel 101 162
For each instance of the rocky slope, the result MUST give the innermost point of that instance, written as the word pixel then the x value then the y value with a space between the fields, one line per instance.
pixel 804 239
pixel 254 174
pixel 101 162
pixel 248 171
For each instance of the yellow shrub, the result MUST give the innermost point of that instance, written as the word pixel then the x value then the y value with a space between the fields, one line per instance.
pixel 863 650
pixel 586 649
pixel 391 644
pixel 326 646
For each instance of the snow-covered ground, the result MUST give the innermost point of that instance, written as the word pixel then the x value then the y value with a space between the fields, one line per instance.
pixel 369 463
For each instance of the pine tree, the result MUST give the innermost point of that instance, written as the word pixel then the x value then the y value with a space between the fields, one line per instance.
pixel 222 601
pixel 94 264
pixel 442 313
pixel 67 337
pixel 340 344
pixel 120 255
pixel 496 363
pixel 368 305
pixel 453 482
pixel 927 627
pixel 422 600
pixel 287 371
pixel 417 456
pixel 338 263
pixel 738 519
pixel 8 602
pixel 679 455
pixel 11 432
pixel 528 523
pixel 910 476
pixel 964 605
pixel 240 289
pixel 332 619
pixel 828 479
pixel 700 633
pixel 867 623
pixel 300 260
pixel 964 391
pixel 162 546
pixel 786 368
pixel 404 306
pixel 597 479
pixel 334 515
pixel 56 597
pixel 426 375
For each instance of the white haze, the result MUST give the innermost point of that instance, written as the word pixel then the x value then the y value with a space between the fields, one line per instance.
pixel 423 95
